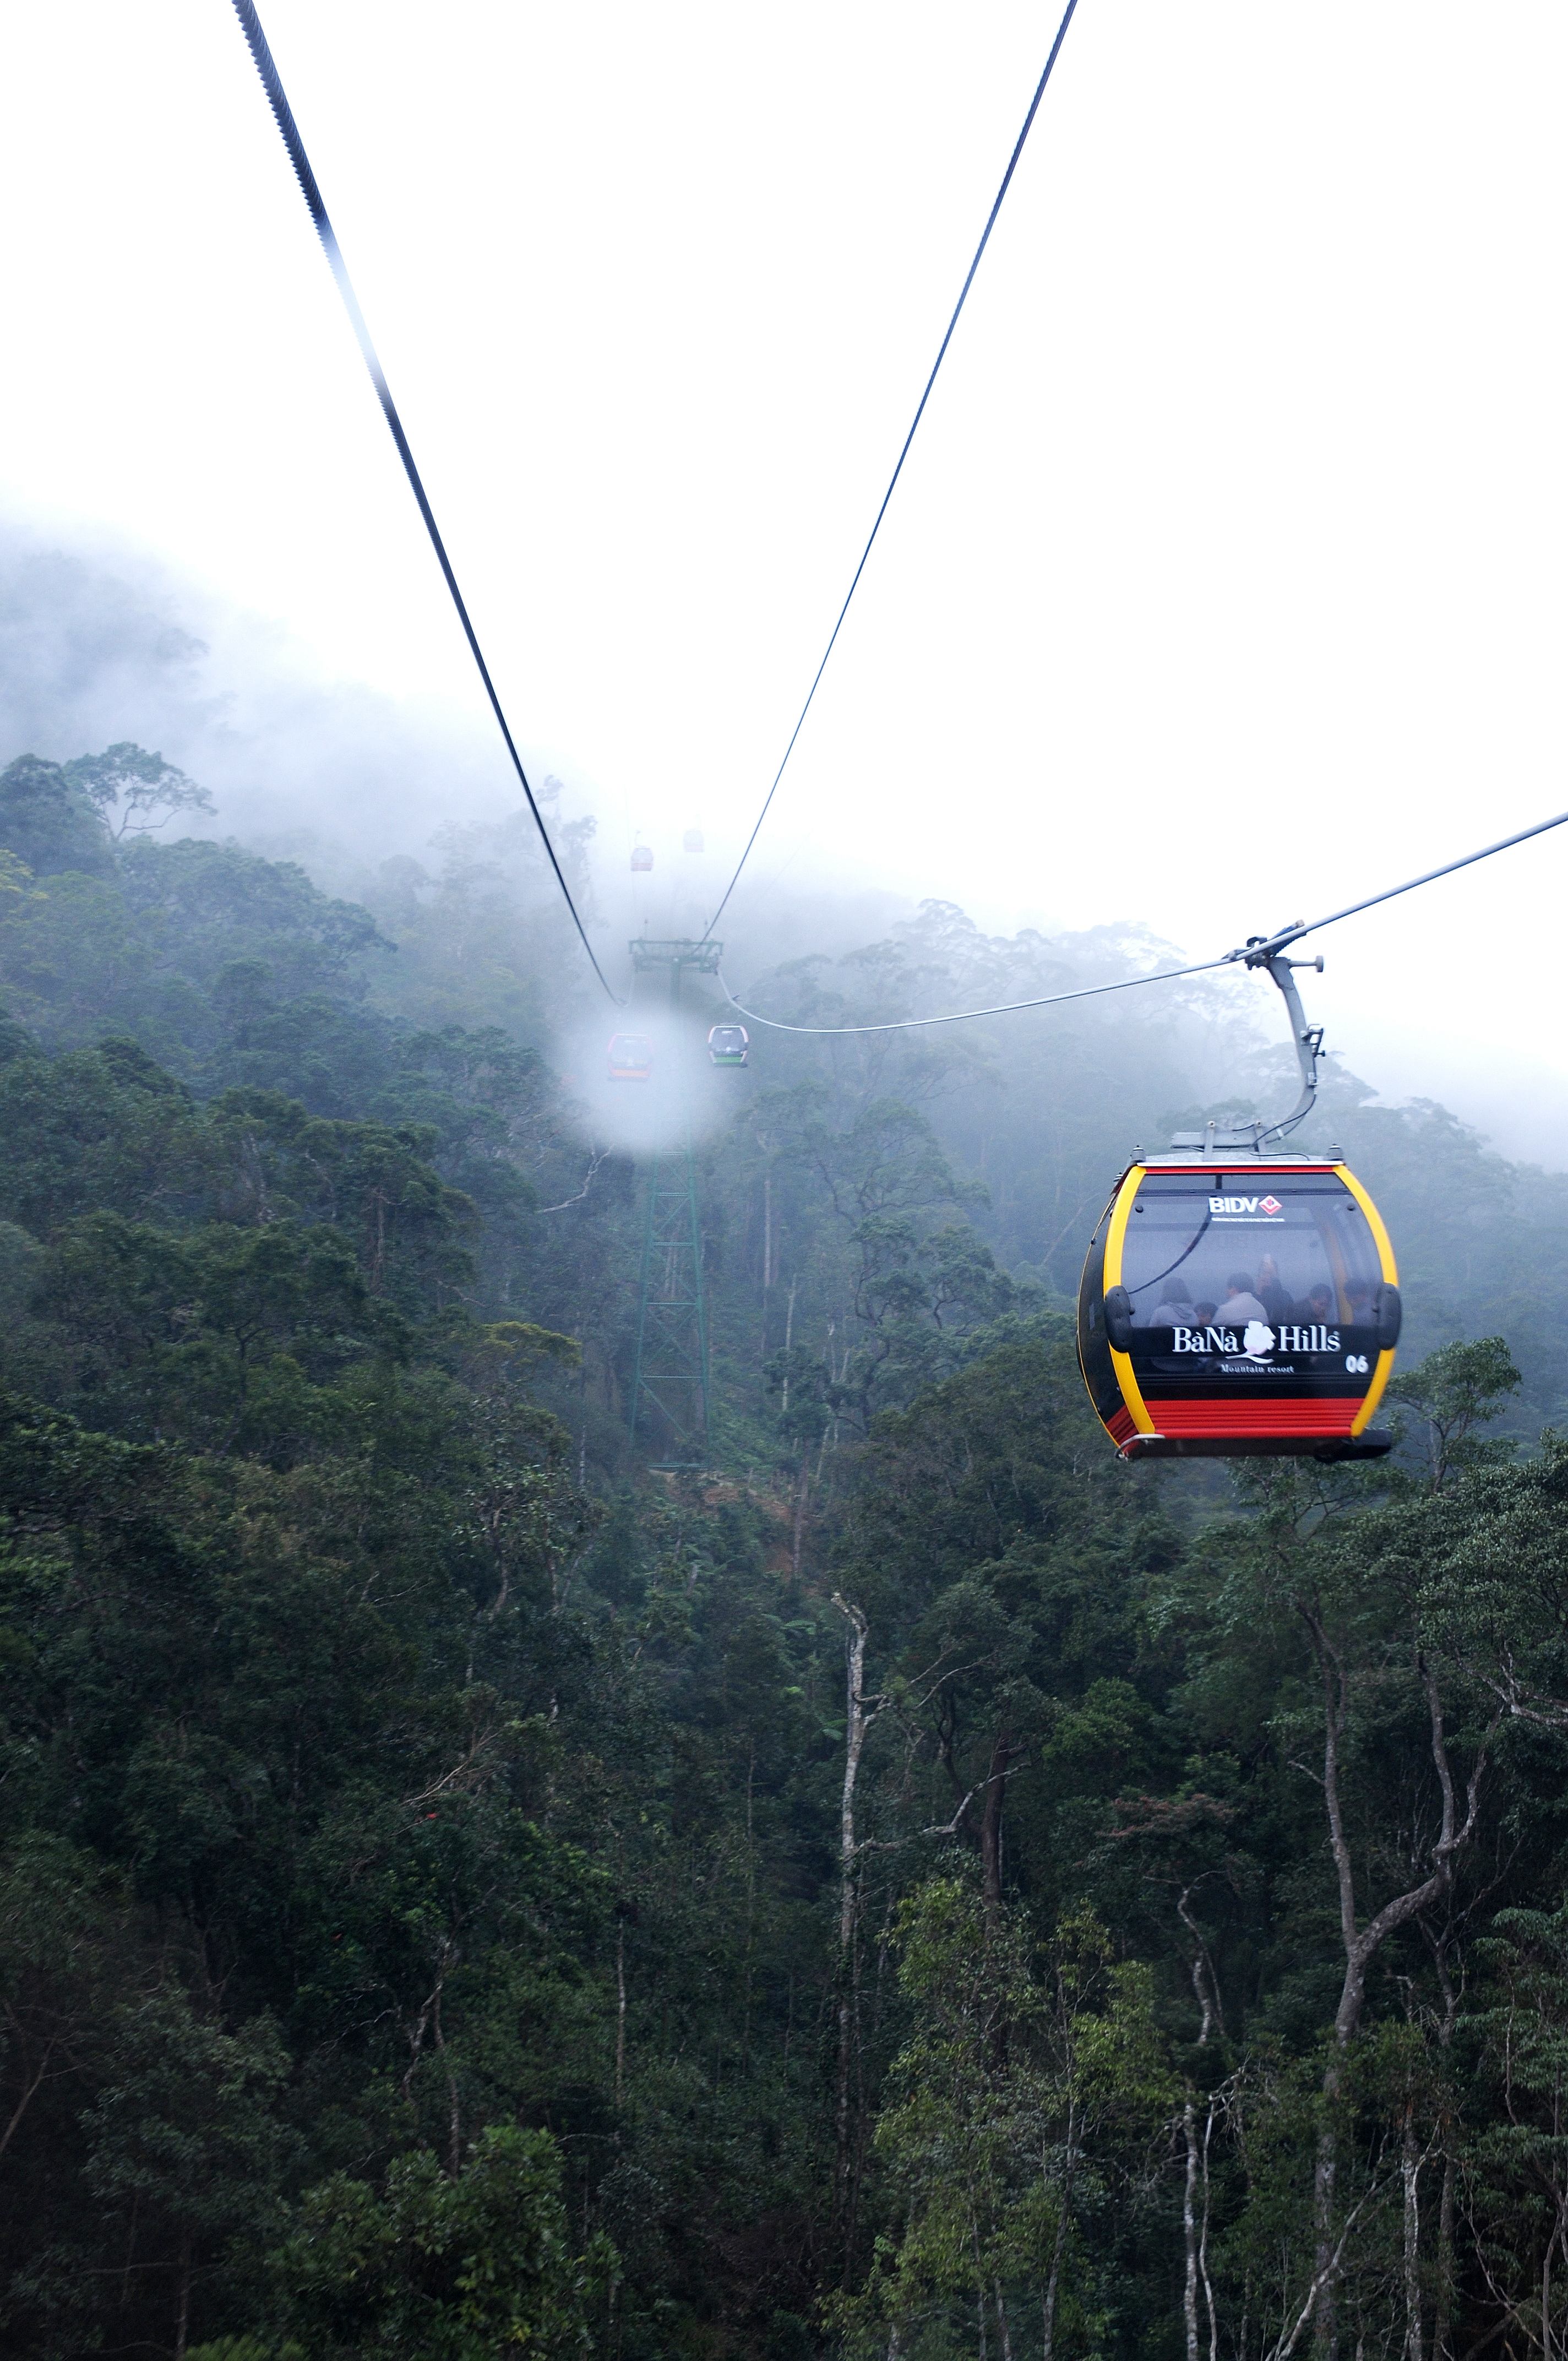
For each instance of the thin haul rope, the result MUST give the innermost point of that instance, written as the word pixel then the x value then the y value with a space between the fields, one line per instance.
pixel 1255 953
pixel 967 1015
pixel 256 40
pixel 946 340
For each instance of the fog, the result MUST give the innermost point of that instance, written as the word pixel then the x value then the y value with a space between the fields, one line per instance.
pixel 100 641
pixel 1223 583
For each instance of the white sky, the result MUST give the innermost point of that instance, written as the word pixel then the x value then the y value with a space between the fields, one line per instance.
pixel 1226 578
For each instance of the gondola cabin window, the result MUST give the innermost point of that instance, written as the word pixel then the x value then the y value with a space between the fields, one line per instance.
pixel 1224 1253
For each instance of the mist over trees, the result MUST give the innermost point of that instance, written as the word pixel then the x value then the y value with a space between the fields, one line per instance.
pixel 913 1887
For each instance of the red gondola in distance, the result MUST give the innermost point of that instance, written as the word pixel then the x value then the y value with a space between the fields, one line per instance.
pixel 630 1058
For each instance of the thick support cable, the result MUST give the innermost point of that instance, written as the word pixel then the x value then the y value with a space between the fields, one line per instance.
pixel 919 414
pixel 256 40
pixel 1260 951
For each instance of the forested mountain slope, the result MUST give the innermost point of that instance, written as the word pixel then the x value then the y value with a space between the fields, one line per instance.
pixel 914 1886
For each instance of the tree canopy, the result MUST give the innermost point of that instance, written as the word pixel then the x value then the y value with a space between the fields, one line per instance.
pixel 907 1886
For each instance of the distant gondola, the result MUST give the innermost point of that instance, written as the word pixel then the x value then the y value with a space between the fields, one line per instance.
pixel 642 856
pixel 691 840
pixel 630 1058
pixel 730 1045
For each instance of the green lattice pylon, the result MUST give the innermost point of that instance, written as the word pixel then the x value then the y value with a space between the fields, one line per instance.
pixel 669 1387
pixel 669 1382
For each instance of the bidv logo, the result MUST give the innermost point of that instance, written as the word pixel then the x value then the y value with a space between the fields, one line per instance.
pixel 1269 1205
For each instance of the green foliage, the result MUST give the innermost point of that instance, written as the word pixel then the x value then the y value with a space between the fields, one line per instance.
pixel 185 2135
pixel 49 821
pixel 463 2269
pixel 243 2349
pixel 436 1913
pixel 1518 2156
pixel 128 786
pixel 1017 2112
pixel 1456 1389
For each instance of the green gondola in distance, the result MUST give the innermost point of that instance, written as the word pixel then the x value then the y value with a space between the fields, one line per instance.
pixel 730 1045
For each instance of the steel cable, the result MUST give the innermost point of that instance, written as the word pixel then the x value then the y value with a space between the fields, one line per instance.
pixel 1256 952
pixel 968 1016
pixel 256 40
pixel 920 413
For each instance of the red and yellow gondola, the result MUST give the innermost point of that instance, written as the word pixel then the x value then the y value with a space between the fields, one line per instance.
pixel 1181 1361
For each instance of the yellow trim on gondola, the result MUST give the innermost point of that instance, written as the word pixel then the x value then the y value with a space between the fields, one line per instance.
pixel 1078 1324
pixel 1122 1362
pixel 1383 1371
pixel 1380 1376
pixel 1385 1250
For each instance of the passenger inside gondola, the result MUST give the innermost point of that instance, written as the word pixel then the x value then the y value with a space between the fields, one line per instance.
pixel 1239 1303
pixel 1275 1297
pixel 1310 1258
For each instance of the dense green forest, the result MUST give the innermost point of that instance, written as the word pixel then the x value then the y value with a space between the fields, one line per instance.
pixel 910 1886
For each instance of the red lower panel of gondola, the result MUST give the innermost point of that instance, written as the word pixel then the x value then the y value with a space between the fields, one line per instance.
pixel 1319 1418
pixel 1234 1430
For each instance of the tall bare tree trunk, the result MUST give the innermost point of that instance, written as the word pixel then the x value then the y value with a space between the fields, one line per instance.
pixel 858 1715
pixel 1410 2175
pixel 1053 2285
pixel 182 2326
pixel 619 2013
pixel 800 1490
pixel 1189 2230
pixel 1442 2291
pixel 750 1906
pixel 789 1342
pixel 455 2118
pixel 979 2274
pixel 1442 2308
pixel 1213 2316
pixel 1205 1983
pixel 1546 2338
pixel 1195 2229
pixel 1325 2316
pixel 1002 2330
pixel 1362 1944
pixel 1002 1753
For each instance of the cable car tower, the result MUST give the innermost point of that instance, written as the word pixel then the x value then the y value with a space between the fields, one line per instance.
pixel 669 1382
